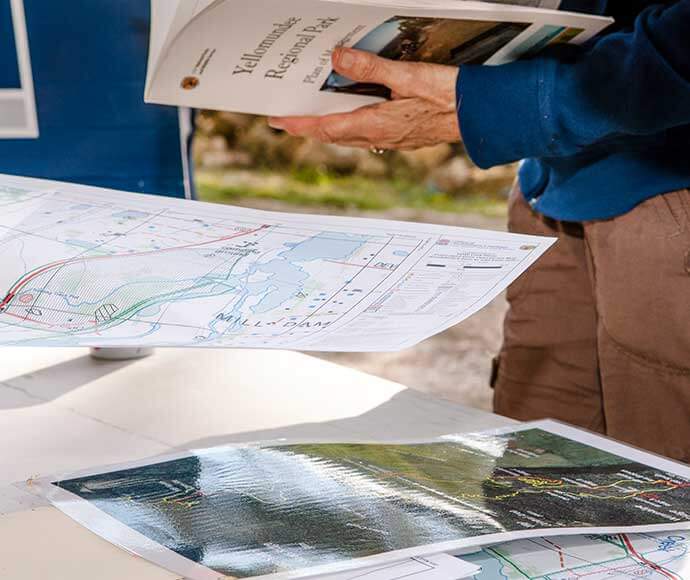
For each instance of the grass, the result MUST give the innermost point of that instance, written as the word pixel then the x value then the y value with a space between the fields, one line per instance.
pixel 313 188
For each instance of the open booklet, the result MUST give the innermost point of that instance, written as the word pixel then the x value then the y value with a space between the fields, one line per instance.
pixel 273 57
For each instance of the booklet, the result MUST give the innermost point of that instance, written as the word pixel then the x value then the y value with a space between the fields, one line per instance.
pixel 273 57
pixel 83 266
pixel 286 509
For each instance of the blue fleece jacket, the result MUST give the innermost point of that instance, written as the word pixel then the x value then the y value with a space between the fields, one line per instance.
pixel 601 127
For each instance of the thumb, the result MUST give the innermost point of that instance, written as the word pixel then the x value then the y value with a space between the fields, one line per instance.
pixel 365 67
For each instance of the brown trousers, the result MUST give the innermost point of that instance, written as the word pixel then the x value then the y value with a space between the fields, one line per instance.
pixel 598 330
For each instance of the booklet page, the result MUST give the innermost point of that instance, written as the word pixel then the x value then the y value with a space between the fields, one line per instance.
pixel 277 58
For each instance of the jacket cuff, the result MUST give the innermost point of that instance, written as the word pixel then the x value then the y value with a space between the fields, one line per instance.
pixel 503 111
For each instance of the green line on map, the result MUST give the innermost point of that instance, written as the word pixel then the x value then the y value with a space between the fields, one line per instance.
pixel 509 562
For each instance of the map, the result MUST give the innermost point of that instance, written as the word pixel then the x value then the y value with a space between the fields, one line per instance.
pixel 83 266
pixel 247 511
pixel 436 567
pixel 660 556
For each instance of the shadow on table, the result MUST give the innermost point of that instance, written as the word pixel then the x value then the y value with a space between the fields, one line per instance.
pixel 407 415
pixel 52 382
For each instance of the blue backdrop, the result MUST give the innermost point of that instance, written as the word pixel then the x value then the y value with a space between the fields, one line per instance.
pixel 89 66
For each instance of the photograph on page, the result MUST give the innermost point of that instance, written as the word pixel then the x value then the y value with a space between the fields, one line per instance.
pixel 420 39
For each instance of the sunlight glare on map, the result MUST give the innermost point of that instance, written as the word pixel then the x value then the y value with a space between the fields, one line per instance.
pixel 296 506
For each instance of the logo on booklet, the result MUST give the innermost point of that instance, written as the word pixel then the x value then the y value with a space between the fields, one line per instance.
pixel 189 83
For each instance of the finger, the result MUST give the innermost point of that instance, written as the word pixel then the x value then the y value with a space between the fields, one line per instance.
pixel 366 67
pixel 335 128
pixel 292 125
pixel 327 128
pixel 321 129
pixel 357 144
pixel 405 79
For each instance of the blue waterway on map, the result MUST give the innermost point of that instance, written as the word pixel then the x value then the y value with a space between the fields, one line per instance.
pixel 131 214
pixel 80 243
pixel 286 276
pixel 286 279
pixel 327 245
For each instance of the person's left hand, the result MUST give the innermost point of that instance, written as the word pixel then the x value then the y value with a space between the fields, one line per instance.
pixel 422 111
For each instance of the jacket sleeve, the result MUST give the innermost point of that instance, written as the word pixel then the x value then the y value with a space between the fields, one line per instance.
pixel 624 85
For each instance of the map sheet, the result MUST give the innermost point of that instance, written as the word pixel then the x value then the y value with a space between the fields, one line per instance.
pixel 436 567
pixel 659 556
pixel 90 267
pixel 291 509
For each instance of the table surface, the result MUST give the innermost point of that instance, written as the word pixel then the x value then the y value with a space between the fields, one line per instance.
pixel 62 411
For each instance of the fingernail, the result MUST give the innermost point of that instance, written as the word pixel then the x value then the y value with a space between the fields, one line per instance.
pixel 345 58
pixel 275 123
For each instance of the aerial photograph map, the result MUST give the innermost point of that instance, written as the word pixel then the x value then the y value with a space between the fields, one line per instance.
pixel 90 267
pixel 257 510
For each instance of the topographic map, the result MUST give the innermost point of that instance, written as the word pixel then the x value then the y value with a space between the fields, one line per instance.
pixel 257 510
pixel 83 266
pixel 660 556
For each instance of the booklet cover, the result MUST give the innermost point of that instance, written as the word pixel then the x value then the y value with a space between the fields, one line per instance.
pixel 272 57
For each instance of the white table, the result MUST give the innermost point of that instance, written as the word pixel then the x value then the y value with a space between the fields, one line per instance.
pixel 61 411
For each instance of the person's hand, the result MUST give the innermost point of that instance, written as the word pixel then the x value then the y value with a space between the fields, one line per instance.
pixel 422 111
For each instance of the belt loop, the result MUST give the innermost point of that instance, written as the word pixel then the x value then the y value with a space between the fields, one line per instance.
pixel 495 364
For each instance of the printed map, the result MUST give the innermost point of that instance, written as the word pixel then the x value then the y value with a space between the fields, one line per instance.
pixel 250 511
pixel 661 556
pixel 81 266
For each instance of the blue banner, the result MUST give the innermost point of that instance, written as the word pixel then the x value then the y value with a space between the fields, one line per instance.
pixel 89 66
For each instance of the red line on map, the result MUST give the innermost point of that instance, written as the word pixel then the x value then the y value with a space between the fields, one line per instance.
pixel 560 552
pixel 27 319
pixel 24 281
pixel 644 560
pixel 7 299
pixel 358 265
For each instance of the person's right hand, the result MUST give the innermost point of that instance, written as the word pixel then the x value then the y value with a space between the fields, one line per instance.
pixel 422 112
